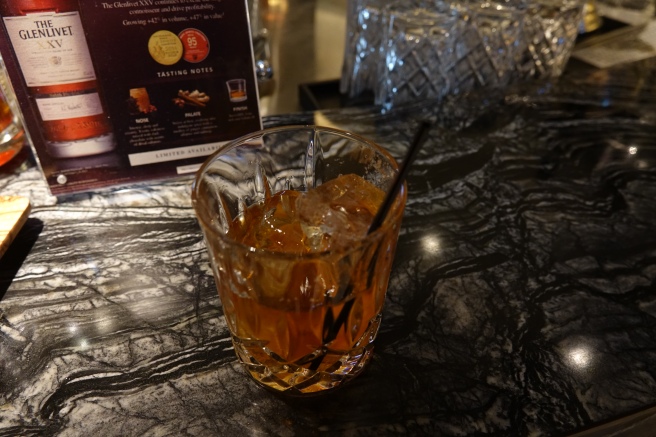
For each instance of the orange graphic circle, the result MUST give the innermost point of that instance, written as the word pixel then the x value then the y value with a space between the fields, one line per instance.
pixel 196 45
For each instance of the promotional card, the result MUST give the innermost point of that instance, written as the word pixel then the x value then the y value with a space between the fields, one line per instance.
pixel 115 92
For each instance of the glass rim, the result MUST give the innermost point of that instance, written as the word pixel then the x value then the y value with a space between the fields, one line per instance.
pixel 396 211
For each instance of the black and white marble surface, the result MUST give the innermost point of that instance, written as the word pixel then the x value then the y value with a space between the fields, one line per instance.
pixel 522 301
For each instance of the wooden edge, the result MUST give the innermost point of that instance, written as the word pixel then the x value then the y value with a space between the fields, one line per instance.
pixel 14 211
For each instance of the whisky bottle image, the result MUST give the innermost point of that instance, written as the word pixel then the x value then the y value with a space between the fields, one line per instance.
pixel 52 52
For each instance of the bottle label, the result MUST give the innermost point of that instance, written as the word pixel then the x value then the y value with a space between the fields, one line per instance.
pixel 71 106
pixel 51 48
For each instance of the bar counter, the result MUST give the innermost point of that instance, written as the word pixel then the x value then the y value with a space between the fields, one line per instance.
pixel 522 300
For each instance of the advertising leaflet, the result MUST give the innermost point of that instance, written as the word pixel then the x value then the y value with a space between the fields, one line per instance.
pixel 117 92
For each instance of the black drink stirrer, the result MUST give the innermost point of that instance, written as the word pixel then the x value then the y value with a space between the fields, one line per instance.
pixel 415 146
pixel 333 324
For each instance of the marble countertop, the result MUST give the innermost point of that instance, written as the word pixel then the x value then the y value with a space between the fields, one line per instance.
pixel 521 301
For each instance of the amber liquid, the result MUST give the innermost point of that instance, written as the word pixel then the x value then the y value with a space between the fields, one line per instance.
pixel 13 136
pixel 304 321
pixel 238 94
pixel 6 116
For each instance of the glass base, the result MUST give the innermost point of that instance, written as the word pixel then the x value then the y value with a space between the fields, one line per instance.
pixel 315 373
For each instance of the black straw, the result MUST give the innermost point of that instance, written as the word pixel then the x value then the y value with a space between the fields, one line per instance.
pixel 415 146
pixel 332 325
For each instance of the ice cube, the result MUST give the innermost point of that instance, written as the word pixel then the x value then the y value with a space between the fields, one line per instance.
pixel 343 208
pixel 332 215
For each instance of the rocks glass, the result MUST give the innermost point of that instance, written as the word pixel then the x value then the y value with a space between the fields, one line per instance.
pixel 12 134
pixel 408 50
pixel 302 321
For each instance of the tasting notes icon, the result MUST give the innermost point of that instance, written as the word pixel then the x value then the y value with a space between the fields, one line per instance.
pixel 237 90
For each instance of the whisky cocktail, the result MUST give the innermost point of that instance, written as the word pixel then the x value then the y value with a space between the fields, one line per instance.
pixel 285 213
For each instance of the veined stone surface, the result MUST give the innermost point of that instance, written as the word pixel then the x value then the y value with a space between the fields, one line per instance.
pixel 521 302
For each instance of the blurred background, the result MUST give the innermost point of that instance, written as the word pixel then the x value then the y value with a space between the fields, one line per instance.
pixel 300 46
pixel 305 46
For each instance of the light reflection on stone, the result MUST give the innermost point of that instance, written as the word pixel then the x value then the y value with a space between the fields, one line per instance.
pixel 431 244
pixel 580 358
